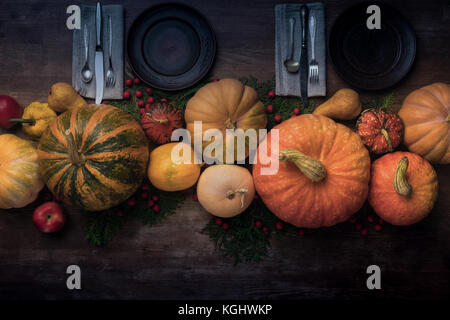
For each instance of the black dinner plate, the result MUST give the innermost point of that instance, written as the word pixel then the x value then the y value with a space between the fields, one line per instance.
pixel 171 46
pixel 372 59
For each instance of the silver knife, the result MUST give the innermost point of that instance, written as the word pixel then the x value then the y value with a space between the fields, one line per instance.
pixel 304 56
pixel 99 76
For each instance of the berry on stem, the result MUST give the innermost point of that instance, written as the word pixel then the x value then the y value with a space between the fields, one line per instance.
pixel 279 225
pixel 297 111
pixel 378 227
pixel 271 94
pixel 128 82
pixel 151 203
pixel 358 226
pixel 215 80
pixel 226 226
pixel 277 118
pixel 148 90
pixel 370 219
pixel 131 202
pixel 139 93
pixel 266 230
pixel 352 219
pixel 364 232
pixel 141 103
pixel 144 195
pixel 258 224
pixel 126 95
pixel 163 100
pixel 155 198
pixel 150 100
pixel 156 208
pixel 269 108
pixel 195 197
pixel 137 81
pixel 219 221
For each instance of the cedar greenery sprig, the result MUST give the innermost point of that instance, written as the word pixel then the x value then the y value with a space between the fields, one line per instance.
pixel 246 237
pixel 384 102
pixel 101 227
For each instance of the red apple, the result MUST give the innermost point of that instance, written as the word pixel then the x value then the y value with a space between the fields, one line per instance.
pixel 49 217
pixel 9 108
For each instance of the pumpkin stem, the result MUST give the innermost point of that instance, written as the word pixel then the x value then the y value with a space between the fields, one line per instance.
pixel 401 184
pixel 230 124
pixel 230 195
pixel 29 121
pixel 161 121
pixel 77 158
pixel 388 139
pixel 312 168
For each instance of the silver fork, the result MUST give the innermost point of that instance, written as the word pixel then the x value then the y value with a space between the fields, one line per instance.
pixel 110 76
pixel 313 64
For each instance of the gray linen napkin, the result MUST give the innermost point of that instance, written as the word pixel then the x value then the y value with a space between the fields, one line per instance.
pixel 288 84
pixel 78 54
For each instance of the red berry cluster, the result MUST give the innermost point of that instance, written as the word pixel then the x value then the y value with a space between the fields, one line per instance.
pixel 362 229
pixel 142 103
pixel 277 117
pixel 224 225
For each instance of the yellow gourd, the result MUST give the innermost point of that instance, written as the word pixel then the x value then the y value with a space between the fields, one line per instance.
pixel 168 175
pixel 35 119
pixel 343 105
pixel 20 181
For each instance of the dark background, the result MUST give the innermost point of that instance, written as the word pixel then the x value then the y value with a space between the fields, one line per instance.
pixel 174 260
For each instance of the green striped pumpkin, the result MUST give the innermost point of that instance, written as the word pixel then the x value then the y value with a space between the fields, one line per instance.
pixel 93 157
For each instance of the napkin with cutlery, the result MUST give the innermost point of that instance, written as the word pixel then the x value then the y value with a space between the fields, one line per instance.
pixel 116 13
pixel 288 84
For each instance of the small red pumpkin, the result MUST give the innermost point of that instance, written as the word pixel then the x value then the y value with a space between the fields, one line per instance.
pixel 403 188
pixel 159 120
pixel 380 130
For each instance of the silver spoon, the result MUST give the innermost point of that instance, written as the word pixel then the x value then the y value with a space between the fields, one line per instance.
pixel 290 64
pixel 86 73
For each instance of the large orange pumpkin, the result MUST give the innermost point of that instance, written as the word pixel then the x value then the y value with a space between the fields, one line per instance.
pixel 323 175
pixel 403 188
pixel 426 115
pixel 93 157
pixel 222 105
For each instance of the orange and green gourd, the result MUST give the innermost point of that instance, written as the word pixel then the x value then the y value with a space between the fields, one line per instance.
pixel 93 157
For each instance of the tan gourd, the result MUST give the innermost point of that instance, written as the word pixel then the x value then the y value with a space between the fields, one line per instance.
pixel 225 190
pixel 343 105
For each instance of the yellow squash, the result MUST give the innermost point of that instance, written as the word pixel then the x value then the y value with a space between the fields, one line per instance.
pixel 169 175
pixel 20 181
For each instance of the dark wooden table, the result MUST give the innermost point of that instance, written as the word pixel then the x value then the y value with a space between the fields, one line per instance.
pixel 174 260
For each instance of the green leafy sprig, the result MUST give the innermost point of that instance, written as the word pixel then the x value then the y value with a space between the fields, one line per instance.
pixel 102 226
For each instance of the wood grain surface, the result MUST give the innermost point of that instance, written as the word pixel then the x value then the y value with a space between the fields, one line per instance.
pixel 174 260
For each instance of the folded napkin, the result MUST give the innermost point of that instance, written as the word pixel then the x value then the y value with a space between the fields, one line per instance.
pixel 78 55
pixel 288 84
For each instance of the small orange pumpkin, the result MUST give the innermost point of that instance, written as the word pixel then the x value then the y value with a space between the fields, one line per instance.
pixel 323 175
pixel 403 188
pixel 222 105
pixel 426 116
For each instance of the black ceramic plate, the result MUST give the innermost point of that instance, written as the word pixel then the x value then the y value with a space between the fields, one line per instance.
pixel 372 59
pixel 171 46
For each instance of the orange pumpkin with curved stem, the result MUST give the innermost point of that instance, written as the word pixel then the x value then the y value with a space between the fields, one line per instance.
pixel 323 175
pixel 426 116
pixel 403 188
